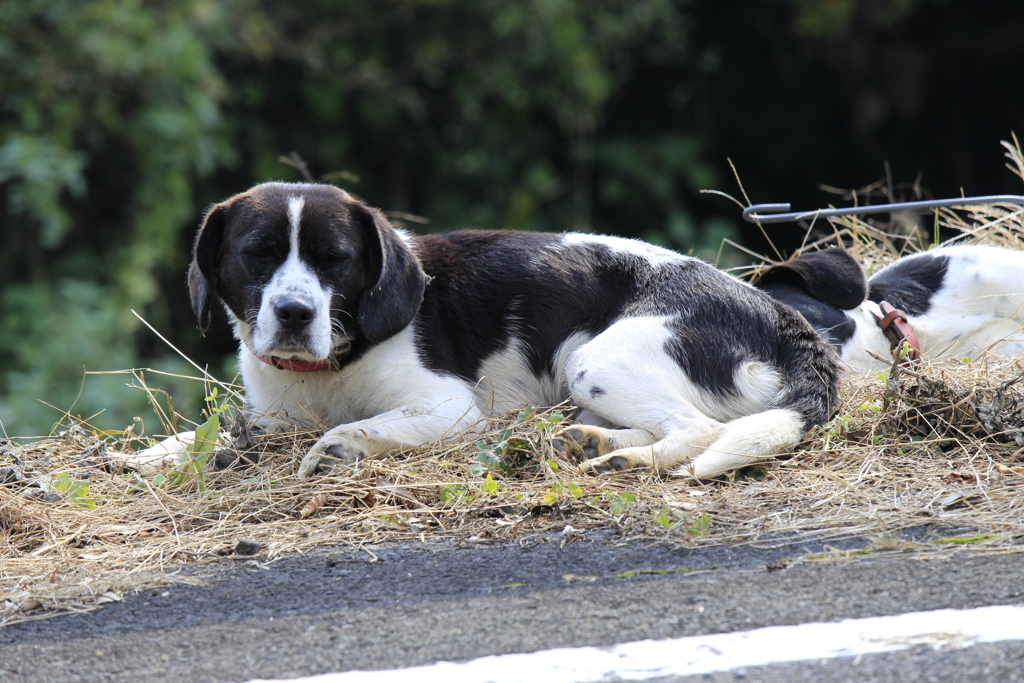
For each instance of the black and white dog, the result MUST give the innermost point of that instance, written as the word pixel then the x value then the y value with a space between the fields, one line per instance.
pixel 395 341
pixel 958 302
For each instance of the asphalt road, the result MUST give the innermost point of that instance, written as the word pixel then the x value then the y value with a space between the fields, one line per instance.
pixel 418 604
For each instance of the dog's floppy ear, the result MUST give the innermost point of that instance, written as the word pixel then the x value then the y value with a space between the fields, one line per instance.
pixel 202 273
pixel 395 279
pixel 832 276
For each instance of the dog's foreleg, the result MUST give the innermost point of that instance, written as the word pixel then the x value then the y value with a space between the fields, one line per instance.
pixel 412 425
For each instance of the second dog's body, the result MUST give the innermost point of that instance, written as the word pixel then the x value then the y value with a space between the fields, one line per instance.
pixel 960 301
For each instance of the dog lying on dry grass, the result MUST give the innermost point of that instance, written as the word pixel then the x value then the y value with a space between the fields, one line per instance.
pixel 394 341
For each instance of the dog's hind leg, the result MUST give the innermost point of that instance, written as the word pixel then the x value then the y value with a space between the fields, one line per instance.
pixel 677 449
pixel 626 377
pixel 585 442
pixel 747 440
pixel 704 450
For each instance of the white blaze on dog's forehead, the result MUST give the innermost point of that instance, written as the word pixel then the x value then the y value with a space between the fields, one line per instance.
pixel 656 256
pixel 295 205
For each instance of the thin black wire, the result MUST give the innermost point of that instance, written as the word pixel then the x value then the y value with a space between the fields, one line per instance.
pixel 780 213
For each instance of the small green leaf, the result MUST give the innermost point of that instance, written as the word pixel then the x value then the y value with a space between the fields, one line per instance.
pixel 622 502
pixel 872 405
pixel 451 493
pixel 197 454
pixel 553 419
pixel 700 526
pixel 76 492
pixel 552 494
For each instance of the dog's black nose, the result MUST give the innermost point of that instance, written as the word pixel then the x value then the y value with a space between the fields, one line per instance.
pixel 294 314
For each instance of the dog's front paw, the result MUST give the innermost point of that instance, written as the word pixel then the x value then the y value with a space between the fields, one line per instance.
pixel 331 450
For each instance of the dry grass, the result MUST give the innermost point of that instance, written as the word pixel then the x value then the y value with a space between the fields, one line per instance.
pixel 940 445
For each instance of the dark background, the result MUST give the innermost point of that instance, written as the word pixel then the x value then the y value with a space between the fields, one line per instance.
pixel 120 123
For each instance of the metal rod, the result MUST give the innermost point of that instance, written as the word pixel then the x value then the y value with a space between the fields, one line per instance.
pixel 780 213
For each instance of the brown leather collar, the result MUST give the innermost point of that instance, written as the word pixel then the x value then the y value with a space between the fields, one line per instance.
pixel 894 325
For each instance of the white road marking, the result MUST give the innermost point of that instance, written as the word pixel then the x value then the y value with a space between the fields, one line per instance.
pixel 648 659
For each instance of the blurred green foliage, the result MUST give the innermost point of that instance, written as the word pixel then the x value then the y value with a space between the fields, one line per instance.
pixel 110 112
pixel 121 120
pixel 115 116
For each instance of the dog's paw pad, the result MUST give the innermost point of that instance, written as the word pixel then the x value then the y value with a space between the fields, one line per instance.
pixel 314 463
pixel 615 463
pixel 618 463
pixel 321 463
pixel 345 453
pixel 324 457
pixel 567 448
pixel 580 442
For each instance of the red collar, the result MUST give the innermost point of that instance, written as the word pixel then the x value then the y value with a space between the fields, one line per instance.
pixel 297 365
pixel 894 324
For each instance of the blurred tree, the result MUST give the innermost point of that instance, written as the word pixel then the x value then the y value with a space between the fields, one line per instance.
pixel 470 112
pixel 109 114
